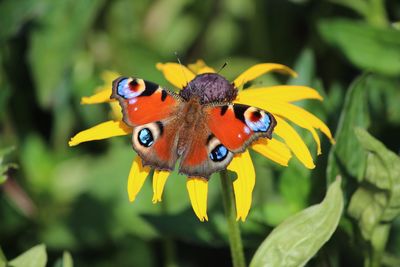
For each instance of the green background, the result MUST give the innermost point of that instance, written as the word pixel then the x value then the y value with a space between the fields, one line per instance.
pixel 74 199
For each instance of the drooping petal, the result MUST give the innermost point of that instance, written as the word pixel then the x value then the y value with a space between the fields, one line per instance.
pixel 260 69
pixel 285 93
pixel 178 75
pixel 299 115
pixel 100 97
pixel 200 67
pixel 274 150
pixel 198 189
pixel 136 178
pixel 101 131
pixel 244 184
pixel 294 142
pixel 159 179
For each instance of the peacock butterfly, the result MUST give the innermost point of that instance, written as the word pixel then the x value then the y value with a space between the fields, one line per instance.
pixel 200 125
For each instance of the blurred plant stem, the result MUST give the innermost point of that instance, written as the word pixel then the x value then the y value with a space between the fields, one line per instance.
pixel 169 252
pixel 168 242
pixel 235 240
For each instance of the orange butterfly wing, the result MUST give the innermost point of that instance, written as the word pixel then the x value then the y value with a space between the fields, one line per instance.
pixel 142 101
pixel 151 111
pixel 221 132
pixel 237 125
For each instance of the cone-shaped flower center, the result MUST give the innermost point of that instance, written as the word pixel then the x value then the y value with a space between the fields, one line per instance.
pixel 209 87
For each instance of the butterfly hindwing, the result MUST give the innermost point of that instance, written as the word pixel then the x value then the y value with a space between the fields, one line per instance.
pixel 237 125
pixel 156 143
pixel 204 154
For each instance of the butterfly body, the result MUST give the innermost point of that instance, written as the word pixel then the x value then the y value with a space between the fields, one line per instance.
pixel 200 126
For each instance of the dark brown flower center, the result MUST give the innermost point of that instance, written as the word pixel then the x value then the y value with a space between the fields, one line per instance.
pixel 209 87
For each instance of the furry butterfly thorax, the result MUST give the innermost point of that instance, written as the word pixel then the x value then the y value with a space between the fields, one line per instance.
pixel 200 125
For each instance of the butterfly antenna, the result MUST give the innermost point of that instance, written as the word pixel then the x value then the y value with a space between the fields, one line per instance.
pixel 183 71
pixel 223 66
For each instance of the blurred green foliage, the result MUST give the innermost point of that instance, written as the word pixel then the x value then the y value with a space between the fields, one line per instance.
pixel 74 199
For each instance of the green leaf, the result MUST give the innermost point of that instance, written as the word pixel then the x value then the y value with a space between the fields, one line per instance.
pixel 3 260
pixel 38 161
pixel 190 229
pixel 3 178
pixel 14 16
pixel 383 99
pixel 363 44
pixel 299 237
pixel 55 42
pixel 34 257
pixel 345 157
pixel 305 68
pixel 294 188
pixel 359 6
pixel 377 200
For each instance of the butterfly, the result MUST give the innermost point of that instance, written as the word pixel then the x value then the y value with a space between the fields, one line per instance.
pixel 199 126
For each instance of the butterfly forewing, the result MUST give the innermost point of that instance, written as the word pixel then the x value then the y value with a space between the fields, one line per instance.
pixel 237 125
pixel 142 101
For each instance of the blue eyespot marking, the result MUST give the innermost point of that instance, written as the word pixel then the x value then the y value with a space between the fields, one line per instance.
pixel 261 125
pixel 125 89
pixel 219 153
pixel 145 137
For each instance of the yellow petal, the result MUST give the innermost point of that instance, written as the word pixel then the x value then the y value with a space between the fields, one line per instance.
pixel 200 67
pixel 104 91
pixel 285 93
pixel 298 115
pixel 159 179
pixel 178 75
pixel 260 69
pixel 101 131
pixel 244 184
pixel 116 111
pixel 100 97
pixel 137 176
pixel 206 70
pixel 274 150
pixel 198 189
pixel 294 142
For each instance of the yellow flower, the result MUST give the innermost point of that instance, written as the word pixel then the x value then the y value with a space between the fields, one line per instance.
pixel 275 99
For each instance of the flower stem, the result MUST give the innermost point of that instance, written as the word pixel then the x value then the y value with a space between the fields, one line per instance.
pixel 235 240
pixel 168 243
